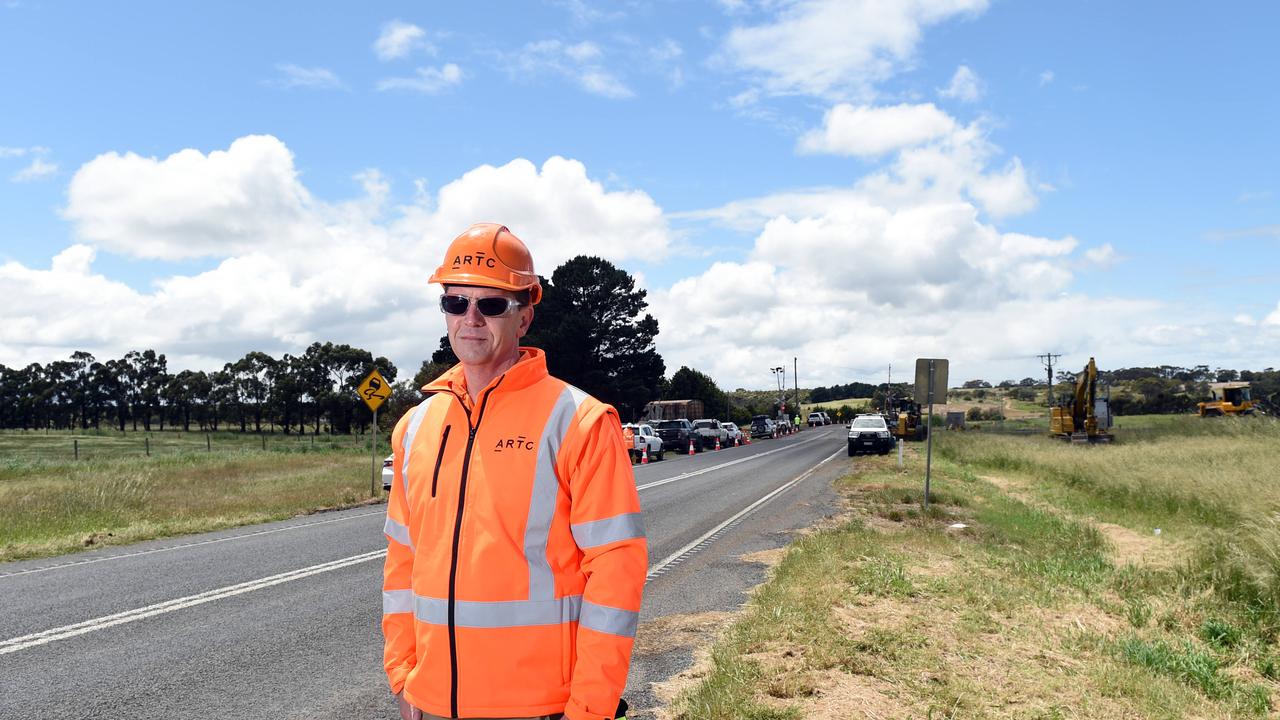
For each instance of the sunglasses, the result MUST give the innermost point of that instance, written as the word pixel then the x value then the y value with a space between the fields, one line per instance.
pixel 488 306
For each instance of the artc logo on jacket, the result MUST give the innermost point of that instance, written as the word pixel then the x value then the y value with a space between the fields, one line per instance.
pixel 518 443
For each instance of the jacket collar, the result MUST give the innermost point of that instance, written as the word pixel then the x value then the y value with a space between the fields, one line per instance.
pixel 531 368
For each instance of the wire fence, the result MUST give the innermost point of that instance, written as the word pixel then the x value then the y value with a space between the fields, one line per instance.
pixel 63 445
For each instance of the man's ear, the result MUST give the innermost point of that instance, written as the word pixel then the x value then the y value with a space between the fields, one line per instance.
pixel 526 319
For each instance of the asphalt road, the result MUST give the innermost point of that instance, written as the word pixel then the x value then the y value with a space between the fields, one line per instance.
pixel 282 620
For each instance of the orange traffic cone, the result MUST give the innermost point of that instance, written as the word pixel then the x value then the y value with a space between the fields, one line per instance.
pixel 691 450
pixel 747 437
pixel 644 458
pixel 717 442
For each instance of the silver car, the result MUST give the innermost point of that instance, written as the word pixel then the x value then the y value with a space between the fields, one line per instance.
pixel 388 472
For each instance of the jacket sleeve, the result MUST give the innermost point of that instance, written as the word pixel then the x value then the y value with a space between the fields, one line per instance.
pixel 399 653
pixel 606 522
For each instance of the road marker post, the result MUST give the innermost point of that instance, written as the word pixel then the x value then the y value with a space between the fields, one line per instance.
pixel 374 390
pixel 930 373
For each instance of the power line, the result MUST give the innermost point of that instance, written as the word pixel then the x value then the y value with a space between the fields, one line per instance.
pixel 1047 360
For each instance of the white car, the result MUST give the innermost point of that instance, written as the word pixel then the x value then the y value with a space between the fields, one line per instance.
pixel 388 473
pixel 869 434
pixel 735 433
pixel 643 436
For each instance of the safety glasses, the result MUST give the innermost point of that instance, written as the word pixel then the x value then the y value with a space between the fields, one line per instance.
pixel 488 306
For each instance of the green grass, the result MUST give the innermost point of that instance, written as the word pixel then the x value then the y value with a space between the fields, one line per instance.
pixel 50 507
pixel 1027 613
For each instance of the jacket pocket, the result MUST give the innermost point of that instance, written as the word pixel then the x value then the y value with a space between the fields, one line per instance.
pixel 435 475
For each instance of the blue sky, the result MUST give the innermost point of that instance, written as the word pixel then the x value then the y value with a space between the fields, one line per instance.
pixel 854 183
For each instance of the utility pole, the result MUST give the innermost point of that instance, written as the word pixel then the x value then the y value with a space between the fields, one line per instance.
pixel 795 380
pixel 1047 359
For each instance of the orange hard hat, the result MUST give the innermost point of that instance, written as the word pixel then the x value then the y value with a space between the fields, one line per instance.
pixel 487 254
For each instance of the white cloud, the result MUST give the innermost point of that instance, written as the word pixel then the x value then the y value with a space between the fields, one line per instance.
pixel 12 152
pixel 836 49
pixel 582 62
pixel 316 78
pixel 1273 319
pixel 429 80
pixel 290 269
pixel 37 170
pixel 937 160
pixel 965 85
pixel 870 131
pixel 189 204
pixel 398 39
pixel 1046 77
pixel 1103 256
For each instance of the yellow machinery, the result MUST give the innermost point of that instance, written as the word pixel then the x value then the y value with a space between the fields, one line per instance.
pixel 1229 398
pixel 1078 419
pixel 904 419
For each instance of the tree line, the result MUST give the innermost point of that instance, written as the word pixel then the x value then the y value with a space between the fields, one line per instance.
pixel 313 389
pixel 592 322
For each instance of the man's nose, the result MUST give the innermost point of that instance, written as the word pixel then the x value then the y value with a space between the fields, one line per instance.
pixel 473 316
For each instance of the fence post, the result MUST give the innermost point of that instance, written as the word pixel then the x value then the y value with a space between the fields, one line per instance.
pixel 208 444
pixel 147 444
pixel 264 443
pixel 76 441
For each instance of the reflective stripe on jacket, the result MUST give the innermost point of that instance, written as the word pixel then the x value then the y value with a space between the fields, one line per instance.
pixel 516 555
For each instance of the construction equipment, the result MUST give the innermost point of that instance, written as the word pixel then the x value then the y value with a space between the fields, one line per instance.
pixel 1084 417
pixel 903 416
pixel 1228 398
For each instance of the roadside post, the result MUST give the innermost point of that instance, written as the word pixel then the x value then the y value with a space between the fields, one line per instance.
pixel 374 391
pixel 931 387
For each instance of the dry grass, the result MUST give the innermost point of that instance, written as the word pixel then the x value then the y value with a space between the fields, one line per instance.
pixel 1040 608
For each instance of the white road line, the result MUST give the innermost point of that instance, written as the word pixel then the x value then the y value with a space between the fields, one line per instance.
pixel 128 616
pixel 679 555
pixel 90 561
pixel 68 631
pixel 721 466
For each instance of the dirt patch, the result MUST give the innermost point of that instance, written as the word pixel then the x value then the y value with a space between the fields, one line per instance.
pixel 845 696
pixel 675 631
pixel 1134 548
pixel 768 558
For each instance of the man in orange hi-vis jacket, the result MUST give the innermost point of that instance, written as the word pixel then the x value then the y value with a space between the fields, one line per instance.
pixel 516 554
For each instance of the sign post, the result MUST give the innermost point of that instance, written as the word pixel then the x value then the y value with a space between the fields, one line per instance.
pixel 931 387
pixel 374 391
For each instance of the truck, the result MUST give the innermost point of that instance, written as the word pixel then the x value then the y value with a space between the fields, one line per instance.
pixel 676 434
pixel 710 431
pixel 1227 398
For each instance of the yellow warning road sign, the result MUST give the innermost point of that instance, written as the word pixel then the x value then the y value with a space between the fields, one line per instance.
pixel 374 390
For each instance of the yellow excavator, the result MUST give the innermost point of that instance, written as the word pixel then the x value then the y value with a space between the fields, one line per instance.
pixel 1228 398
pixel 1078 419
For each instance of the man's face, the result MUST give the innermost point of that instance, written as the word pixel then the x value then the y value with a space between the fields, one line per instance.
pixel 480 340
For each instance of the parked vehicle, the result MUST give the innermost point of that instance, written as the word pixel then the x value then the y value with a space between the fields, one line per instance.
pixel 388 472
pixel 676 434
pixel 762 427
pixel 735 433
pixel 815 419
pixel 826 419
pixel 869 433
pixel 643 436
pixel 709 431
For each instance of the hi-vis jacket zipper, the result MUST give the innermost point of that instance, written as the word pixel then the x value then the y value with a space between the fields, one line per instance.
pixel 457 535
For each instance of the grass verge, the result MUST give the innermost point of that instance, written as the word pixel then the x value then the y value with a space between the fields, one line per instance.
pixel 50 508
pixel 1054 600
